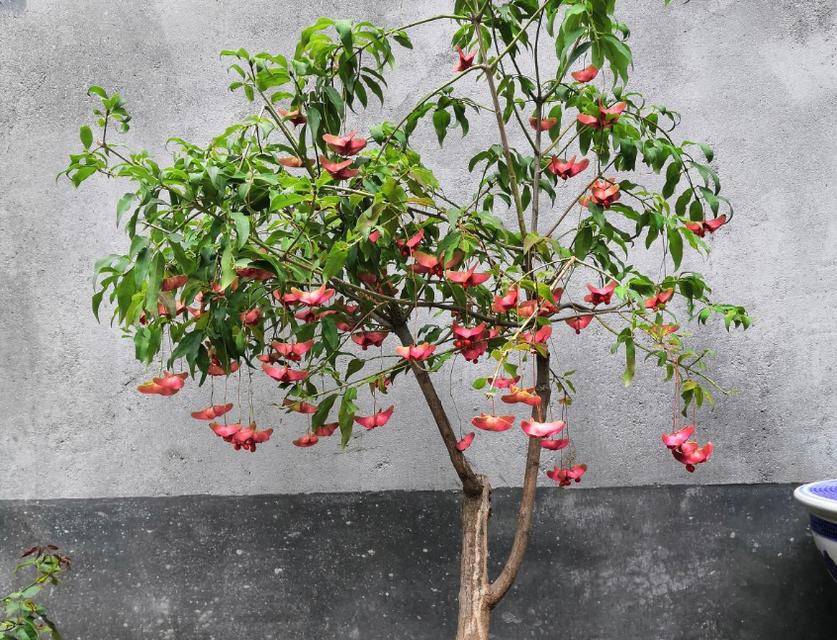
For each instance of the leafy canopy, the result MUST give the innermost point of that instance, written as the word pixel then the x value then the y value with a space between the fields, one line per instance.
pixel 227 238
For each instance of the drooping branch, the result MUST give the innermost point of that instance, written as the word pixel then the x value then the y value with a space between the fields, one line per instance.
pixel 420 103
pixel 389 32
pixel 572 204
pixel 471 483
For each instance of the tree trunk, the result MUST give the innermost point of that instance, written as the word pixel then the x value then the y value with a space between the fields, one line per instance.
pixel 474 608
pixel 478 596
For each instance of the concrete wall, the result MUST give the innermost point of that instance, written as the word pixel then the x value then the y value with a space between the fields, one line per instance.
pixel 755 79
pixel 696 563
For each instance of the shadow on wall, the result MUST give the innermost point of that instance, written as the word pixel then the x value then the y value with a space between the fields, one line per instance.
pixel 13 6
pixel 691 563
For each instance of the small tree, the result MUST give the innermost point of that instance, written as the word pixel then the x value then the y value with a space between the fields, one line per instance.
pixel 291 245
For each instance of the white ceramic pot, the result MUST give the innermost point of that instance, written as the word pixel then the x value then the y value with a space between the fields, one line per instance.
pixel 821 500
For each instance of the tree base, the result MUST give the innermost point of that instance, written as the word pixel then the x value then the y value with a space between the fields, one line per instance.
pixel 474 606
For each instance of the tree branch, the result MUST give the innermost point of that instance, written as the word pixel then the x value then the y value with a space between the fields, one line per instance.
pixel 421 102
pixel 577 198
pixel 471 483
pixel 504 141
pixel 507 576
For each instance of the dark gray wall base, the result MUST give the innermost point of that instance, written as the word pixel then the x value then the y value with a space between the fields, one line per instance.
pixel 720 563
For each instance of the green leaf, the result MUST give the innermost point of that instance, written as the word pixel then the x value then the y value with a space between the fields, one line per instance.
pixel 123 206
pixel 403 39
pixel 216 178
pixel 544 292
pixel 344 28
pixel 675 246
pixel 531 240
pixel 441 120
pixel 711 199
pixel 375 88
pixel 461 118
pixel 673 173
pixel 583 242
pixel 189 347
pixel 227 267
pixel 708 153
pixel 335 99
pixel 346 415
pixel 186 264
pixel 153 280
pixel 335 259
pixel 82 174
pixel 282 200
pixel 619 55
pixel 125 293
pixel 321 415
pixel 696 210
pixel 242 228
pixel 597 57
pixel 555 112
pixel 86 136
pixel 314 120
pixel 97 90
pixel 355 365
pixel 682 201
pixel 146 343
pixel 97 302
pixel 630 361
pixel 329 332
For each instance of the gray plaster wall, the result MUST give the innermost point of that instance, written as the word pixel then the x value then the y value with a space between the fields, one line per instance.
pixel 757 80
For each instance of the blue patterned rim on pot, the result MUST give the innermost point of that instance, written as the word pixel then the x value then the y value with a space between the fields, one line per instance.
pixel 821 500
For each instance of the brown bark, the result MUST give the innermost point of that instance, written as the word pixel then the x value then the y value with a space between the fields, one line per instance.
pixel 477 596
pixel 474 609
pixel 471 483
pixel 507 576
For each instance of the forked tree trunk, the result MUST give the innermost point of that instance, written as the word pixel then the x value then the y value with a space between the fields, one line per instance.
pixel 477 595
pixel 474 607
